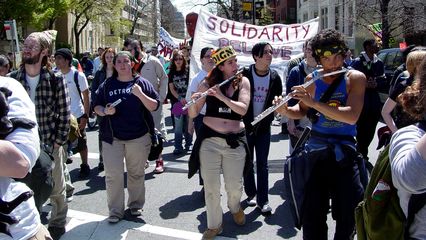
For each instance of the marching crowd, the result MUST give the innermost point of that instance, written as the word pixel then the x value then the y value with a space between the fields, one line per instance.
pixel 127 92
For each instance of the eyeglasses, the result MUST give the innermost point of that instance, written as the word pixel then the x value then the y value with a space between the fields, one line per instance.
pixel 31 48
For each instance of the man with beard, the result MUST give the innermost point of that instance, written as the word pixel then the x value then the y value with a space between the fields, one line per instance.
pixel 52 103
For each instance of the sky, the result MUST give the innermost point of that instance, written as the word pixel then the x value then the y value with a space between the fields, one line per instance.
pixel 187 6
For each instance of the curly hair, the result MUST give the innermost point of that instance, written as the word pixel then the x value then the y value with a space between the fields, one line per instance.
pixel 413 99
pixel 327 37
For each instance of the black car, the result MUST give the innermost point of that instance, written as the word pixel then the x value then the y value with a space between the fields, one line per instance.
pixel 392 58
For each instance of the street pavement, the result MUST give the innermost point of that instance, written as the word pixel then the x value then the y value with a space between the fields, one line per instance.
pixel 174 207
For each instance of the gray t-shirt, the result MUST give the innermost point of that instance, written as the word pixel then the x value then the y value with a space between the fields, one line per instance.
pixel 409 173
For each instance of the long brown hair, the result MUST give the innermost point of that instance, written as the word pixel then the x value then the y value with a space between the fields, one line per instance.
pixel 175 55
pixel 413 99
pixel 109 50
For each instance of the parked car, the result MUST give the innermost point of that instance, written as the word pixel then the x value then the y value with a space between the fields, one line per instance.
pixel 392 59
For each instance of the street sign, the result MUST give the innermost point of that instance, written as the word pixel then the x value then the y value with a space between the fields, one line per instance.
pixel 8 28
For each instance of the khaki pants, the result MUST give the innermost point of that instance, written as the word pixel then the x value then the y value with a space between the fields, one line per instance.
pixel 136 154
pixel 58 196
pixel 216 156
pixel 42 234
pixel 158 118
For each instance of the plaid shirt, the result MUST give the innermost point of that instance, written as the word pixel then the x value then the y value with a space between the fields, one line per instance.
pixel 52 107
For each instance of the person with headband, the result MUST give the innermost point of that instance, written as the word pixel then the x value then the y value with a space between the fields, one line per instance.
pixel 265 84
pixel 50 95
pixel 331 149
pixel 221 145
pixel 125 132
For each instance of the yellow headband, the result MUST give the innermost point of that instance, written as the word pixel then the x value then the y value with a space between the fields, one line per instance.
pixel 223 54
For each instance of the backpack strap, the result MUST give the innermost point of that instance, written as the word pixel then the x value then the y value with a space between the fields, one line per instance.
pixel 78 86
pixel 312 113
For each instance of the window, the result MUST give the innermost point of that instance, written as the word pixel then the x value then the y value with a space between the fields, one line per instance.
pixel 351 21
pixel 305 17
pixel 337 17
pixel 324 18
pixel 315 13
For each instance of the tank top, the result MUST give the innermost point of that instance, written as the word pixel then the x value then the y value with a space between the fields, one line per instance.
pixel 217 108
pixel 327 125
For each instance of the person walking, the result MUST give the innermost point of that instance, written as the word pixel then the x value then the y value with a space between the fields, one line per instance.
pixel 331 146
pixel 222 145
pixel 178 85
pixel 52 103
pixel 125 133
pixel 100 76
pixel 407 153
pixel 265 84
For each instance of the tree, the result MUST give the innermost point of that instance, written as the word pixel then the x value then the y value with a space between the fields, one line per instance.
pixel 136 14
pixel 47 11
pixel 84 11
pixel 267 17
pixel 21 11
pixel 396 16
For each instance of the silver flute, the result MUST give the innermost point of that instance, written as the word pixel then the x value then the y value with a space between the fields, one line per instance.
pixel 205 93
pixel 283 101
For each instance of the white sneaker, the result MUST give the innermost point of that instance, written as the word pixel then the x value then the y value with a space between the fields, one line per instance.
pixel 251 202
pixel 265 209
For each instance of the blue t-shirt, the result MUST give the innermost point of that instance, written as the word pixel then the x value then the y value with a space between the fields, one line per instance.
pixel 129 121
pixel 338 98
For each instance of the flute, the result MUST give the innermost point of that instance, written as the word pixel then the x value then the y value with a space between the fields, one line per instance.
pixel 205 93
pixel 272 109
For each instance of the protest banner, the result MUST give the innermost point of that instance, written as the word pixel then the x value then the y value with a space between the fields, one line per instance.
pixel 167 43
pixel 286 40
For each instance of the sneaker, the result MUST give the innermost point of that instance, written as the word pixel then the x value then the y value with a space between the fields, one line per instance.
pixel 239 217
pixel 212 233
pixel 101 167
pixel 84 170
pixel 135 212
pixel 113 219
pixel 56 232
pixel 146 164
pixel 70 198
pixel 159 168
pixel 251 202
pixel 188 148
pixel 265 209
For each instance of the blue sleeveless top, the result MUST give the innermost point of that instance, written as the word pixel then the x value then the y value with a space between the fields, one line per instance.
pixel 338 98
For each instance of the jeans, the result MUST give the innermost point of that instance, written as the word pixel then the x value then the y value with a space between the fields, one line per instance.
pixel 181 128
pixel 261 143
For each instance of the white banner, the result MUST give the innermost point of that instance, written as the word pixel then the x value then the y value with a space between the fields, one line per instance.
pixel 167 43
pixel 286 40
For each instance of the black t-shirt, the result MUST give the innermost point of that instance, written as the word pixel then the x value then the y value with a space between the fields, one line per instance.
pixel 180 81
pixel 401 118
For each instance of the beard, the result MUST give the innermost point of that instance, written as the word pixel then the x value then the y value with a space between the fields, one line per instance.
pixel 32 60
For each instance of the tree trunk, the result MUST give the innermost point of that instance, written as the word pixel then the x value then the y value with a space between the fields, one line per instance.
pixel 385 23
pixel 77 39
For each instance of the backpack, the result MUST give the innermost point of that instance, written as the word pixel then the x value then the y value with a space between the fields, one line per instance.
pixel 379 215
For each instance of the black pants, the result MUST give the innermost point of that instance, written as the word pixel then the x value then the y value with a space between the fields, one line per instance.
pixel 367 122
pixel 339 181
